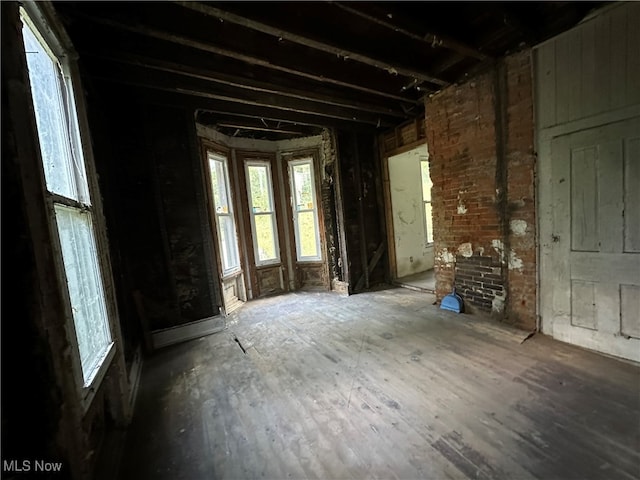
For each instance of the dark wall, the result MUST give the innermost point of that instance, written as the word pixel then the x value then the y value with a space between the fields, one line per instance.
pixel 149 168
pixel 363 212
pixel 171 137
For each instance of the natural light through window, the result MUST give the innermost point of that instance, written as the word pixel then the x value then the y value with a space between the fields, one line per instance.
pixel 305 211
pixel 261 210
pixel 225 223
pixel 66 182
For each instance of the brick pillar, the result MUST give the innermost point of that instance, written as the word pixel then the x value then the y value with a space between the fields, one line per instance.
pixel 482 167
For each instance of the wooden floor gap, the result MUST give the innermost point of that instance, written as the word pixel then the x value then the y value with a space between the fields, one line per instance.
pixel 235 339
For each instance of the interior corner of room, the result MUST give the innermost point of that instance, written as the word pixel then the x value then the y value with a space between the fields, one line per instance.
pixel 230 229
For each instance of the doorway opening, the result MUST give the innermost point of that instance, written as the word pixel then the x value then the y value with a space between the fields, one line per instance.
pixel 410 219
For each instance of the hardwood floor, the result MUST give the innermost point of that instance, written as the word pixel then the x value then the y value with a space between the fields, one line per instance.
pixel 380 385
pixel 423 281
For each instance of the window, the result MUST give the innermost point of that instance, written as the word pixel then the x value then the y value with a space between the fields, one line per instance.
pixel 426 199
pixel 305 210
pixel 261 210
pixel 225 223
pixel 68 195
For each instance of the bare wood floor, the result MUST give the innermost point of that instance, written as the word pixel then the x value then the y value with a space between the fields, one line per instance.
pixel 381 385
pixel 419 281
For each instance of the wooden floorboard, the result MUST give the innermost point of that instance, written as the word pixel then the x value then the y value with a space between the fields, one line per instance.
pixel 381 385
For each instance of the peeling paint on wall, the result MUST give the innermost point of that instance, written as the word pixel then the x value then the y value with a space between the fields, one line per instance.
pixel 462 209
pixel 514 262
pixel 445 257
pixel 498 246
pixel 519 227
pixel 465 249
pixel 497 304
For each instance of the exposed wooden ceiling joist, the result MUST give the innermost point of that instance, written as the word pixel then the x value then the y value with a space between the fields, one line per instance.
pixel 290 68
pixel 206 47
pixel 428 38
pixel 138 76
pixel 187 100
pixel 254 124
pixel 238 126
pixel 225 81
pixel 312 43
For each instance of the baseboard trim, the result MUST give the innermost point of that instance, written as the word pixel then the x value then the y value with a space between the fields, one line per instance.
pixel 413 287
pixel 189 331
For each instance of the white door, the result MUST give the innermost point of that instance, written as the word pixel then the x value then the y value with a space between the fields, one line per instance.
pixel 595 240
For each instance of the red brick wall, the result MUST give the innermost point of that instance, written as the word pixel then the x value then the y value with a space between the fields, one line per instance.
pixel 521 162
pixel 480 137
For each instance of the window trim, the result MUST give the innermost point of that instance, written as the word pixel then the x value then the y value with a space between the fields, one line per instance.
pixel 307 160
pixel 224 159
pixel 45 27
pixel 274 220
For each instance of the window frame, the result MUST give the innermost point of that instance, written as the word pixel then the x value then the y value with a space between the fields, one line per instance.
pixel 307 160
pixel 213 155
pixel 57 45
pixel 274 221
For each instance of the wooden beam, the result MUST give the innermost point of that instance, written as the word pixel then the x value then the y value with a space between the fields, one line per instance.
pixel 259 129
pixel 377 255
pixel 232 109
pixel 195 88
pixel 357 178
pixel 140 29
pixel 512 19
pixel 311 43
pixel 246 83
pixel 207 118
pixel 431 39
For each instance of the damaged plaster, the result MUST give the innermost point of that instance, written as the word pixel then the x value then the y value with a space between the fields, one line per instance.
pixel 462 209
pixel 465 249
pixel 514 263
pixel 519 227
pixel 445 257
pixel 497 304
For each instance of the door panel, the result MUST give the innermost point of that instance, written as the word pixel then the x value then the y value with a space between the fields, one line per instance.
pixel 233 292
pixel 270 280
pixel 632 195
pixel 595 265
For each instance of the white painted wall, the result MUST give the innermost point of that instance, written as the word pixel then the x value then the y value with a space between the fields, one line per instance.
pixel 412 253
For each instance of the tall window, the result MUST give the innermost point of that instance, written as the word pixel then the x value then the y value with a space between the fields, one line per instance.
pixel 68 194
pixel 262 212
pixel 426 199
pixel 225 223
pixel 305 210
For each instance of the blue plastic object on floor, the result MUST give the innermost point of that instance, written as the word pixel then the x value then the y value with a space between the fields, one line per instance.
pixel 452 302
